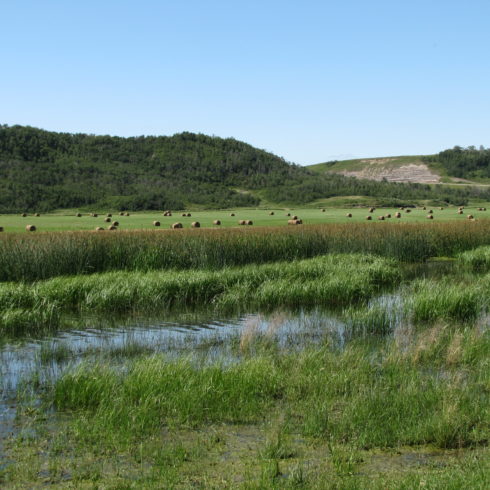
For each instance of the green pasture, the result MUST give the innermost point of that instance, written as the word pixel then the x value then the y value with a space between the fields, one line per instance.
pixel 260 217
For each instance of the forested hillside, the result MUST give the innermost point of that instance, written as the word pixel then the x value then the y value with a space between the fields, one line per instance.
pixel 42 170
pixel 465 163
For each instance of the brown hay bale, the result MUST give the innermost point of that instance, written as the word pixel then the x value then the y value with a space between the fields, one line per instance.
pixel 424 208
pixel 107 220
pixel 430 216
pixel 156 223
pixel 115 223
pixel 250 222
pixel 430 211
pixel 371 210
pixel 381 218
pixel 109 215
pixel 242 222
pixel 323 210
pixel 95 215
pixel 30 228
pixel 196 224
pixel 232 214
pixel 175 226
pixel 294 217
pixel 78 215
pixel 288 214
pixel 460 211
pixel 369 218
pixel 349 215
pixel 271 213
pixel 408 210
pixel 388 215
pixel 217 222
pixel 37 215
pixel 99 228
pixel 184 215
pixel 189 215
pixel 294 222
pixel 470 216
pixel 167 213
pixel 441 209
pixel 1 229
pixel 483 209
pixel 23 215
pixel 112 227
pixel 126 214
pixel 398 215
pixel 401 208
pixel 121 213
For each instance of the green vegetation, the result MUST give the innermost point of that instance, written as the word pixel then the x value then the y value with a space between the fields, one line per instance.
pixel 466 163
pixel 42 170
pixel 25 257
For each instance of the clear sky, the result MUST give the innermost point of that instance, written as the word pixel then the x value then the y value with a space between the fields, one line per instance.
pixel 307 80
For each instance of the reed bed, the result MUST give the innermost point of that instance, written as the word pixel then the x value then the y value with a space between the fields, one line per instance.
pixel 31 257
pixel 478 260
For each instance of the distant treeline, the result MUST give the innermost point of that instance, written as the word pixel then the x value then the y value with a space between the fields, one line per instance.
pixel 42 170
pixel 466 163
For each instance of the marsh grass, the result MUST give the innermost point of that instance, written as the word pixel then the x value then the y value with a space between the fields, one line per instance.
pixel 46 255
pixel 362 396
pixel 332 280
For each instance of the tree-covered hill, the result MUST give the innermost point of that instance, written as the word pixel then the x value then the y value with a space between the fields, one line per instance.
pixel 465 163
pixel 42 170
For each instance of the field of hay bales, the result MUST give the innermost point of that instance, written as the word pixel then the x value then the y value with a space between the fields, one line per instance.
pixel 70 221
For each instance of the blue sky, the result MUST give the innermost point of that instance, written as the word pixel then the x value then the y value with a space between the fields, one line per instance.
pixel 309 81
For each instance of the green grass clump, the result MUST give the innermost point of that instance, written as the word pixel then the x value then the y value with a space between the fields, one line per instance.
pixel 477 260
pixel 364 396
pixel 29 258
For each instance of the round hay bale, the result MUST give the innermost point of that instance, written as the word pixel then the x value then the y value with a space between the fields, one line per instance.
pixel 196 224
pixel 441 209
pixel 371 210
pixel 109 215
pixel 217 222
pixel 37 215
pixel 271 213
pixel 121 213
pixel 107 220
pixel 294 222
pixel 184 215
pixel 1 229
pixel 175 226
pixel 460 211
pixel 294 217
pixel 401 208
pixel 250 222
pixel 78 215
pixel 323 210
pixel 24 215
pixel 369 218
pixel 242 222
pixel 388 215
pixel 95 215
pixel 349 215
pixel 408 210
pixel 232 214
pixel 115 223
pixel 381 218
pixel 126 214
pixel 288 214
pixel 99 228
pixel 424 208
pixel 483 209
pixel 156 223
pixel 430 211
pixel 30 228
pixel 470 216
pixel 189 215
pixel 430 216
pixel 112 227
pixel 398 215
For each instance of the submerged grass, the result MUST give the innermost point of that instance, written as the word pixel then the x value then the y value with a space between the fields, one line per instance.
pixel 30 258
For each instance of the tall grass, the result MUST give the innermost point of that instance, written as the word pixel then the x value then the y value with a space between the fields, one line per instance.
pixel 29 258
pixel 367 398
pixel 478 260
pixel 331 280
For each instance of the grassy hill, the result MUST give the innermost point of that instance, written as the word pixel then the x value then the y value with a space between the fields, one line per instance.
pixel 43 170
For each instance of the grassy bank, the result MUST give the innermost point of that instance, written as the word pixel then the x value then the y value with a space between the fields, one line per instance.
pixel 29 258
